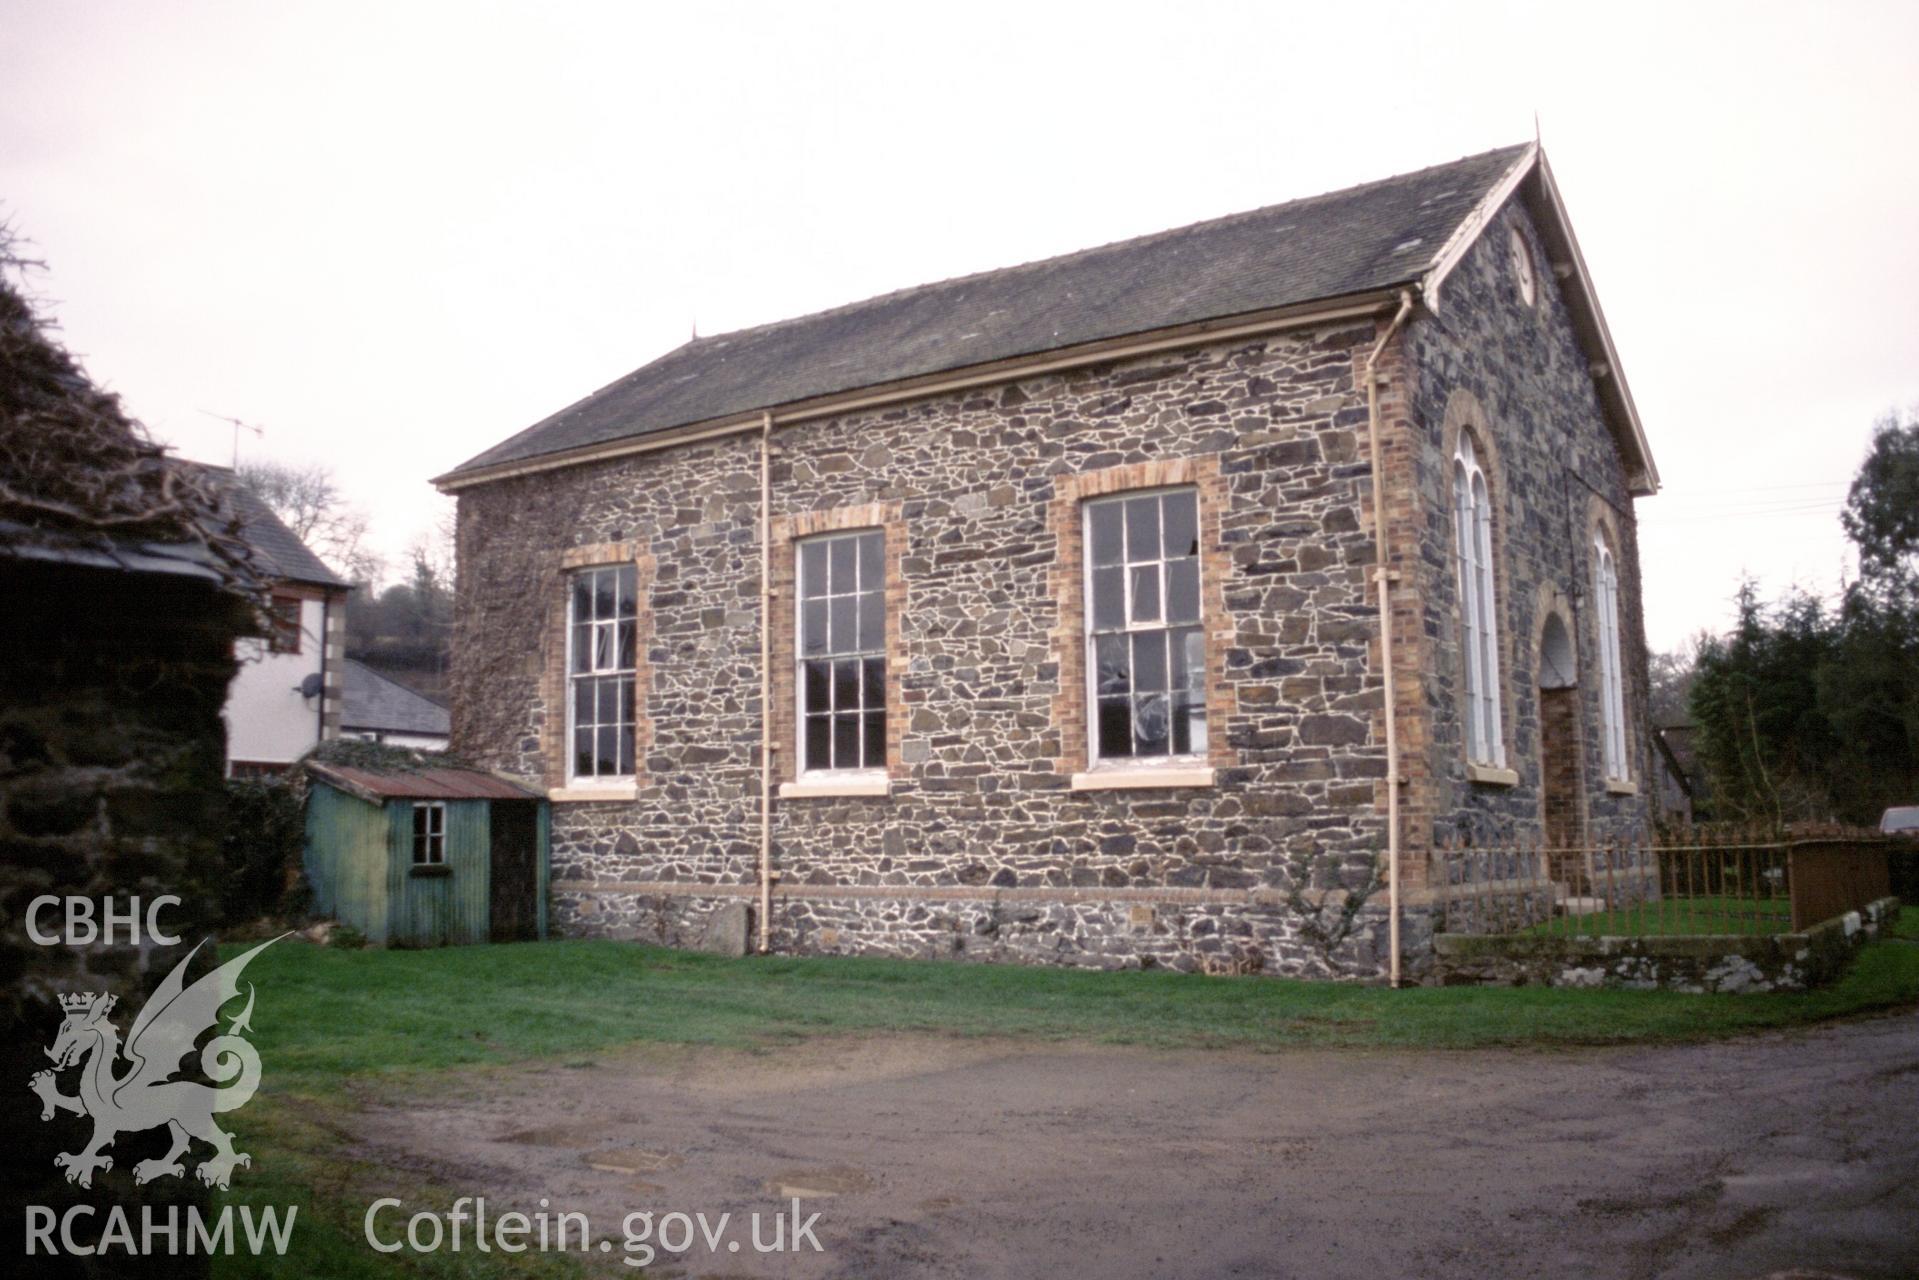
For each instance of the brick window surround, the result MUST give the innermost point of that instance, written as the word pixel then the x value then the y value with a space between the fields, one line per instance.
pixel 1065 516
pixel 787 532
pixel 553 684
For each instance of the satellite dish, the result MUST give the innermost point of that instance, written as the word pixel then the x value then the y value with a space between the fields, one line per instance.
pixel 310 687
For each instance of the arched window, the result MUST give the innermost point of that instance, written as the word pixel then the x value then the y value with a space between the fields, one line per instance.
pixel 1479 632
pixel 1612 697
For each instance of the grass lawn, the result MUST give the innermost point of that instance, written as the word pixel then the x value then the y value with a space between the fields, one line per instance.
pixel 1700 915
pixel 329 1023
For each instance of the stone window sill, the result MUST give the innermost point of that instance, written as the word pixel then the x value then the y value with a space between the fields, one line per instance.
pixel 877 784
pixel 1621 787
pixel 1491 775
pixel 628 792
pixel 1140 779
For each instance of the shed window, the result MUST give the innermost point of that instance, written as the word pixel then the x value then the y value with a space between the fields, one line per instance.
pixel 601 635
pixel 283 621
pixel 842 651
pixel 1146 654
pixel 1478 617
pixel 429 834
pixel 1612 698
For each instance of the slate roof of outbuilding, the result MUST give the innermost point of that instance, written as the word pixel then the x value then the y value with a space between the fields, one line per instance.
pixel 1356 241
pixel 278 552
pixel 369 700
pixel 419 784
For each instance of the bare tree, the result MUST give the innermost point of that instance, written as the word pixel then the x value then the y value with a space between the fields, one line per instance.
pixel 310 502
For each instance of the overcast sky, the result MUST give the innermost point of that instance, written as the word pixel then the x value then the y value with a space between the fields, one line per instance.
pixel 393 234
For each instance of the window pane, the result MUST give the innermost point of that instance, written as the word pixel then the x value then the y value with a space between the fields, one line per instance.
pixel 1182 590
pixel 844 555
pixel 1142 528
pixel 628 582
pixel 1189 661
pixel 624 658
pixel 874 675
pixel 626 701
pixel 1115 671
pixel 846 741
pixel 844 637
pixel 819 733
pixel 606 702
pixel 582 597
pixel 1149 725
pixel 846 684
pixel 1149 662
pixel 602 595
pixel 876 740
pixel 872 621
pixel 583 648
pixel 419 820
pixel 1181 537
pixel 1182 732
pixel 1106 522
pixel 1145 592
pixel 1109 598
pixel 872 573
pixel 609 753
pixel 813 626
pixel 602 646
pixel 582 702
pixel 1115 728
pixel 817 685
pixel 626 750
pixel 583 752
pixel 812 569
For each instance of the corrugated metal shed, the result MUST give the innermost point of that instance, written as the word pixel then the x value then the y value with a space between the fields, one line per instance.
pixel 481 876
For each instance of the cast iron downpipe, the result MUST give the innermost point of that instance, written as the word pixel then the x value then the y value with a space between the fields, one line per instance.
pixel 1383 577
pixel 766 683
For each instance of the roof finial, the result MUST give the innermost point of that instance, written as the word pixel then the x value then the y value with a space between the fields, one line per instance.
pixel 696 326
pixel 1535 126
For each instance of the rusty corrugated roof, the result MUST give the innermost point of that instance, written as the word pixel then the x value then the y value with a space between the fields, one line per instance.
pixel 422 784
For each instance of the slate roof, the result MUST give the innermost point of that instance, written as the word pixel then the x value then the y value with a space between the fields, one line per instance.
pixel 277 552
pixel 369 700
pixel 1366 238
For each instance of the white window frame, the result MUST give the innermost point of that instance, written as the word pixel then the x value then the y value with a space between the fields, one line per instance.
pixel 434 836
pixel 575 778
pixel 863 772
pixel 1185 760
pixel 1612 695
pixel 1478 606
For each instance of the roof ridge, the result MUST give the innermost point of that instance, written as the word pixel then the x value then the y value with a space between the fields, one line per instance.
pixel 1126 242
pixel 384 678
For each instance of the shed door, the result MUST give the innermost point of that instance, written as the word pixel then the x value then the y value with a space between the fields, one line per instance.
pixel 515 852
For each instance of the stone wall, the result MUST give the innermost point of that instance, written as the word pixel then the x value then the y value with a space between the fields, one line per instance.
pixel 1194 930
pixel 111 763
pixel 1516 377
pixel 979 495
pixel 1729 964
